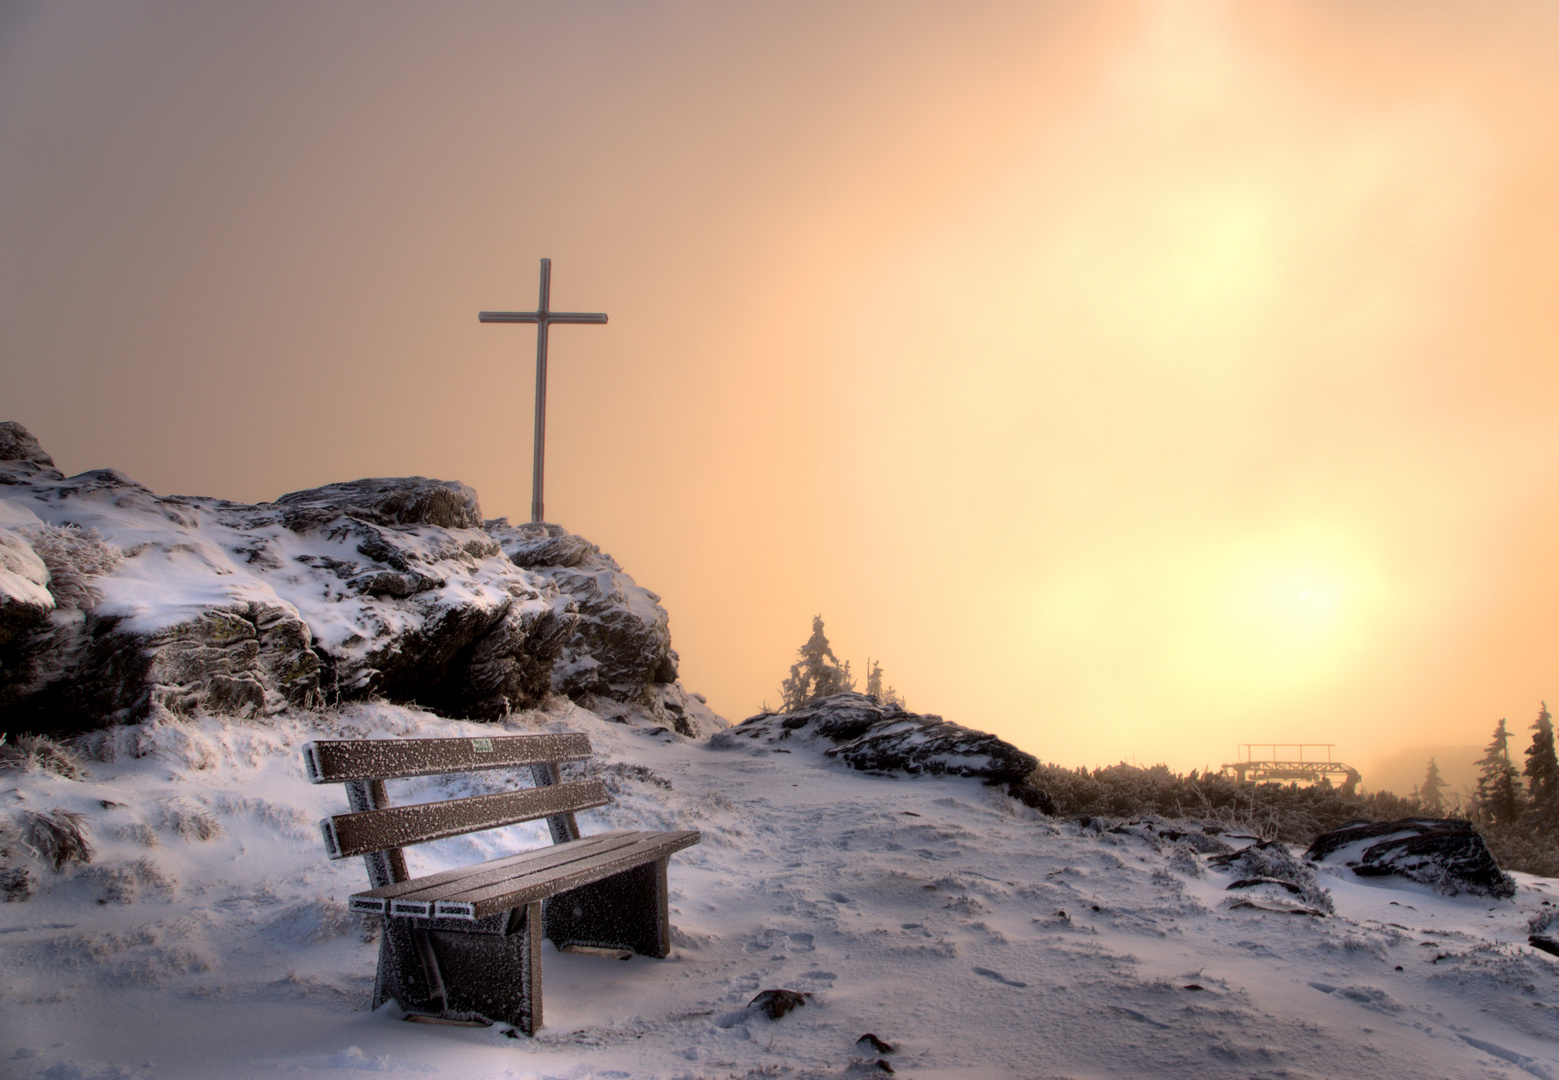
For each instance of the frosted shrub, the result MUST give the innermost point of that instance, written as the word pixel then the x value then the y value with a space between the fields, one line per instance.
pixel 1271 861
pixel 1182 857
pixel 74 557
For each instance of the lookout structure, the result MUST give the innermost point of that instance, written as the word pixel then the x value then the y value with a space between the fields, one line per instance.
pixel 1291 761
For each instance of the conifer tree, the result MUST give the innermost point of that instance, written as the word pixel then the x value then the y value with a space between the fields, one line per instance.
pixel 874 687
pixel 1542 771
pixel 1430 794
pixel 817 672
pixel 1499 790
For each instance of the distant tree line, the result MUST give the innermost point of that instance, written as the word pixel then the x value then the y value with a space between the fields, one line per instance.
pixel 1519 820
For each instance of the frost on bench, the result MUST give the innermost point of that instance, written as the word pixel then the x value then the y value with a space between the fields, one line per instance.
pixel 465 944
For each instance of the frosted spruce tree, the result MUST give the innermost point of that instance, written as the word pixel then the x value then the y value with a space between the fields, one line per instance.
pixel 1499 790
pixel 817 672
pixel 1431 793
pixel 1542 772
pixel 875 689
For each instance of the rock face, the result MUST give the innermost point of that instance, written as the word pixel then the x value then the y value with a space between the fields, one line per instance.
pixel 115 601
pixel 1444 853
pixel 619 652
pixel 878 738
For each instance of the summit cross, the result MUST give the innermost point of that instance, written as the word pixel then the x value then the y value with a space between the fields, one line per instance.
pixel 543 317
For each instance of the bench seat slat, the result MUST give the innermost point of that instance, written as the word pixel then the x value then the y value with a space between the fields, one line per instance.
pixel 401 826
pixel 334 761
pixel 496 869
pixel 486 900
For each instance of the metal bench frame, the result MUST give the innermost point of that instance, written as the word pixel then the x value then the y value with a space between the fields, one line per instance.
pixel 464 945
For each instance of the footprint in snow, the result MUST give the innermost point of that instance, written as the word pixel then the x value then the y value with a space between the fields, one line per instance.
pixel 1520 1061
pixel 999 977
pixel 1369 996
pixel 1141 1018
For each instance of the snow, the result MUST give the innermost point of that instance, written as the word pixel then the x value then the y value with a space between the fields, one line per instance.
pixel 975 936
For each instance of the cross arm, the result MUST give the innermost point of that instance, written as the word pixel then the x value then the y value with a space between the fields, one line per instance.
pixel 593 318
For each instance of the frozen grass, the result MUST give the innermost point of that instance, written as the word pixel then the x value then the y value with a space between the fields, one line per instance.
pixel 40 752
pixel 59 837
pixel 74 557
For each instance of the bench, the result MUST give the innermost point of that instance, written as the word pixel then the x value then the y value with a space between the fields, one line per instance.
pixel 464 945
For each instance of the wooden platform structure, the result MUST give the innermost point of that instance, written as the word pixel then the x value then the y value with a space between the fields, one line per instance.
pixel 1301 762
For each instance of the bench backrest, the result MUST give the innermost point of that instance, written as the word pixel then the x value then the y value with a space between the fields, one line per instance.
pixel 378 831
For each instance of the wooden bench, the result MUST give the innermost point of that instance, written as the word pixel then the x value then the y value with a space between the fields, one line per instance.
pixel 465 944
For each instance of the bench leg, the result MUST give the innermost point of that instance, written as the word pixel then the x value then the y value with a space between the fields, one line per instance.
pixel 625 911
pixel 465 976
pixel 405 974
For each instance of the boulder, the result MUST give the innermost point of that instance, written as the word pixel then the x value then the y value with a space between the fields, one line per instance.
pixel 1444 853
pixel 868 735
pixel 620 648
pixel 25 601
pixel 20 454
pixel 411 500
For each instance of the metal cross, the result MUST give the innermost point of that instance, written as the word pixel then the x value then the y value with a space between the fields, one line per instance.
pixel 543 318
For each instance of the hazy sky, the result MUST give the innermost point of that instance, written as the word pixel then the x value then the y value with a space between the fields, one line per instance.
pixel 1132 380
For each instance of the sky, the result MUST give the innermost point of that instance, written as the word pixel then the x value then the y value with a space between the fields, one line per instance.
pixel 1132 380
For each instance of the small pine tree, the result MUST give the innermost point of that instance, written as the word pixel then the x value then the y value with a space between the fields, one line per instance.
pixel 875 688
pixel 1499 791
pixel 817 672
pixel 873 678
pixel 1430 794
pixel 1542 771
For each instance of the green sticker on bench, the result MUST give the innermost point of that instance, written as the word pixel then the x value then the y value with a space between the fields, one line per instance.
pixel 482 746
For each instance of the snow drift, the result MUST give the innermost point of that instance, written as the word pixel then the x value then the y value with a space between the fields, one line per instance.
pixel 207 935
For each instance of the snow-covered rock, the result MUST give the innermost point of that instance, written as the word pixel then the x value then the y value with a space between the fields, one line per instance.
pixel 1444 853
pixel 879 738
pixel 621 643
pixel 115 601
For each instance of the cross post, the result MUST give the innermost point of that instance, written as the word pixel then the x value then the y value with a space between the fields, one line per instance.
pixel 543 317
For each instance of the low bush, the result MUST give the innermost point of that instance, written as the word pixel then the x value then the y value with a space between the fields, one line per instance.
pixel 1286 812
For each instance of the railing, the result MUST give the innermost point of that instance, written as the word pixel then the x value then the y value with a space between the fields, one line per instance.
pixel 1292 765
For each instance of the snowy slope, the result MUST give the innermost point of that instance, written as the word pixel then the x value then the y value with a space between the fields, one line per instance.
pixel 928 911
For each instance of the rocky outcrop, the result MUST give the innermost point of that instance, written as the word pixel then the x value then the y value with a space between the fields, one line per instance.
pixel 619 652
pixel 1444 853
pixel 622 642
pixel 877 738
pixel 115 601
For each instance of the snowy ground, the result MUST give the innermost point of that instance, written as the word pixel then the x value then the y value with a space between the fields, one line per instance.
pixel 926 911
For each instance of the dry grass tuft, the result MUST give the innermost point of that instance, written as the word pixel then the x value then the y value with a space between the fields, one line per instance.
pixel 58 837
pixel 40 752
pixel 124 882
pixel 189 821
